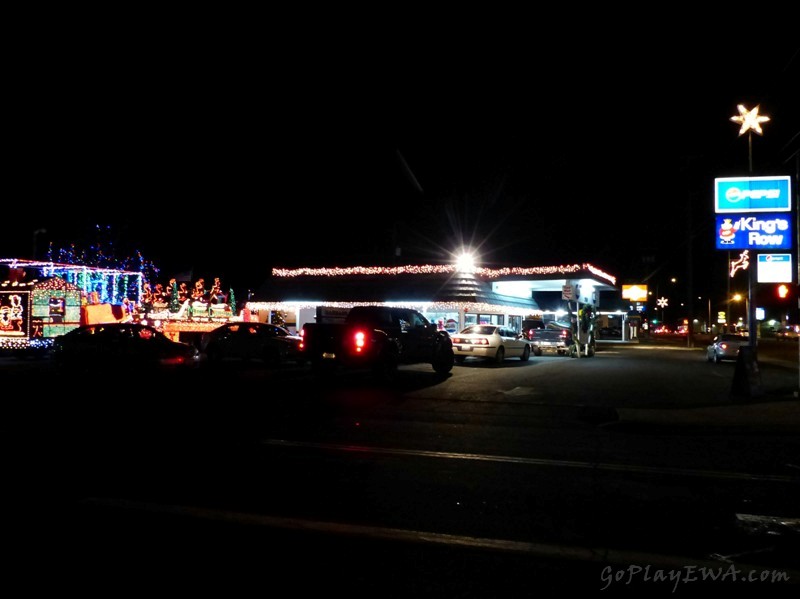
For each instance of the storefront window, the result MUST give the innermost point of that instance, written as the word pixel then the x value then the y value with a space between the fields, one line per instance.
pixel 445 321
pixel 498 319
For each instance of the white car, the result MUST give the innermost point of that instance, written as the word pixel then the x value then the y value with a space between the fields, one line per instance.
pixel 491 342
pixel 725 347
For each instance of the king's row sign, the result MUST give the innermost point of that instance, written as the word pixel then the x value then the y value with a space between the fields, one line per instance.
pixel 754 232
pixel 753 213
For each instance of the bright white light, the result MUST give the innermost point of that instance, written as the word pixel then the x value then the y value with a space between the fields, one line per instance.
pixel 749 120
pixel 466 263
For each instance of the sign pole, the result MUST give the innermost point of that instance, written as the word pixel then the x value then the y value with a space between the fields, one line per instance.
pixel 797 248
pixel 751 307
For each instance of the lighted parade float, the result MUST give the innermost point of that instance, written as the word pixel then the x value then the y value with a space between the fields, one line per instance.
pixel 40 300
pixel 179 312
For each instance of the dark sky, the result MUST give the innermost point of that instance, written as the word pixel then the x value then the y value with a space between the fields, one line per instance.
pixel 230 160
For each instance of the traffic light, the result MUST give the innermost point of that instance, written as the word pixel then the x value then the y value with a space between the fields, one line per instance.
pixel 782 291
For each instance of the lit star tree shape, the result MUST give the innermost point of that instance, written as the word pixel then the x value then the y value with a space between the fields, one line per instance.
pixel 750 121
pixel 662 303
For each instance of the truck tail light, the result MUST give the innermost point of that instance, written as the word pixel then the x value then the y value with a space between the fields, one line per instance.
pixel 359 341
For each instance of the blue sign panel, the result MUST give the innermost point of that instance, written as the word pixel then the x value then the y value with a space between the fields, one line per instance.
pixel 752 194
pixel 754 232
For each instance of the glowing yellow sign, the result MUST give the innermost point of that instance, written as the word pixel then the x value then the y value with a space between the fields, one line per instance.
pixel 635 293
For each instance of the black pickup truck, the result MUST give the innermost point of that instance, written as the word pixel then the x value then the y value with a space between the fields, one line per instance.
pixel 377 339
pixel 559 338
pixel 552 338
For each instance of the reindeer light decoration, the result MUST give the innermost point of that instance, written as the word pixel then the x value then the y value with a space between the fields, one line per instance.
pixel 742 262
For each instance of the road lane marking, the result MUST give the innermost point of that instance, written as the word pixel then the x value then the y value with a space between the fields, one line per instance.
pixel 586 465
pixel 543 550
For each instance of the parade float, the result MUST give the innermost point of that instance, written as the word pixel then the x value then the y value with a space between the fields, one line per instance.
pixel 40 300
pixel 184 315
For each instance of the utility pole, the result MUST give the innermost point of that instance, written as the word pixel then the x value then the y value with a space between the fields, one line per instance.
pixel 689 277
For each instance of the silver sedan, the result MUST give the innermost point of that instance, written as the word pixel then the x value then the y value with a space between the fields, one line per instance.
pixel 725 346
pixel 491 342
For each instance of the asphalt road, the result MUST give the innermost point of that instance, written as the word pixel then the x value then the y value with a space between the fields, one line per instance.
pixel 529 478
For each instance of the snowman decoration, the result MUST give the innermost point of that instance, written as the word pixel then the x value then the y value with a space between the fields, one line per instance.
pixel 727 232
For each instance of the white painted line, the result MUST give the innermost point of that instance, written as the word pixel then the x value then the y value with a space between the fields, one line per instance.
pixel 543 550
pixel 746 476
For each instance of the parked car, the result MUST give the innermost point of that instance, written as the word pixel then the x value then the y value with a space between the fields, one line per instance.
pixel 725 346
pixel 271 343
pixel 491 342
pixel 531 324
pixel 787 332
pixel 122 345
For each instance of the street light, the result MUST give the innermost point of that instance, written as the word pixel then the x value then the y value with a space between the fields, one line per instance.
pixel 737 298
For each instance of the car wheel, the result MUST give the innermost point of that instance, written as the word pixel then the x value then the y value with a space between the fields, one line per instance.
pixel 385 369
pixel 537 351
pixel 717 359
pixel 443 359
pixel 526 353
pixel 500 356
pixel 709 358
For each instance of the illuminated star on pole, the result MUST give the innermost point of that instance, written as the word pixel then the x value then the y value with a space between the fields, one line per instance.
pixel 662 302
pixel 750 120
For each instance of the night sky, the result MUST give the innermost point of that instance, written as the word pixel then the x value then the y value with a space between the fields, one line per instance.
pixel 227 164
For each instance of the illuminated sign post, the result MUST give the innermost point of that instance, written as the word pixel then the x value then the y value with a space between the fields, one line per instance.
pixel 635 293
pixel 758 194
pixel 754 213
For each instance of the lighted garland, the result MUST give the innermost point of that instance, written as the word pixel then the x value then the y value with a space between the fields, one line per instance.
pixel 422 306
pixel 488 273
